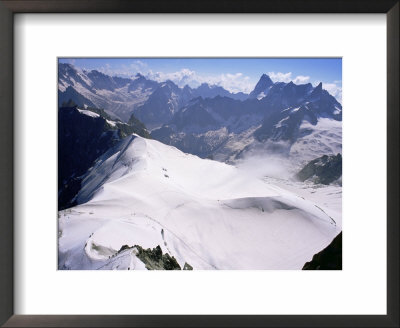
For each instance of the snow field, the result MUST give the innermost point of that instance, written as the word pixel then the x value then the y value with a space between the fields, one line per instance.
pixel 202 212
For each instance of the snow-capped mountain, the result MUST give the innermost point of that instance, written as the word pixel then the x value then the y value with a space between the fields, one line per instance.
pixel 262 87
pixel 83 136
pixel 204 213
pixel 168 99
pixel 204 125
pixel 162 104
pixel 152 102
pixel 303 106
pixel 285 119
pixel 119 96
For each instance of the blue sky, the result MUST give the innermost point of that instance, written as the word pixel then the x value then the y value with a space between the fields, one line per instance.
pixel 234 74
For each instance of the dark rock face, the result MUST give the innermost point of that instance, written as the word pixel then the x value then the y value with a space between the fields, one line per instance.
pixel 196 144
pixel 325 169
pixel 262 86
pixel 71 93
pixel 329 258
pixel 154 259
pixel 207 91
pixel 101 81
pixel 187 267
pixel 161 105
pixel 284 95
pixel 81 140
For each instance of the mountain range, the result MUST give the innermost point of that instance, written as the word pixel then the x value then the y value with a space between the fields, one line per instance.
pixel 154 176
pixel 299 121
pixel 153 102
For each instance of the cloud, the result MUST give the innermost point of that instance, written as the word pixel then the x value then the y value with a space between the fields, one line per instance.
pixel 334 89
pixel 71 61
pixel 138 65
pixel 181 77
pixel 287 77
pixel 301 79
pixel 233 82
pixel 124 70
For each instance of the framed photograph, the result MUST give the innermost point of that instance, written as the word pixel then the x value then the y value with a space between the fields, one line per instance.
pixel 254 145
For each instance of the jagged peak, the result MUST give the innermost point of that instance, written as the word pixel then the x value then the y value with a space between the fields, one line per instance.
pixel 319 86
pixel 171 83
pixel 204 85
pixel 264 81
pixel 265 77
pixel 96 72
pixel 139 76
pixel 67 65
pixel 67 68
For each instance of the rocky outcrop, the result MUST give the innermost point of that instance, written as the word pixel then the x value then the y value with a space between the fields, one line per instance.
pixel 187 267
pixel 154 259
pixel 329 258
pixel 325 170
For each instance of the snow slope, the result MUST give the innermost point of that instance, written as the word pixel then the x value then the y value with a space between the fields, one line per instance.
pixel 88 113
pixel 206 213
pixel 315 140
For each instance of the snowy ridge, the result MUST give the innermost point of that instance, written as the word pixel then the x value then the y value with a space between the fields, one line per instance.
pixel 88 113
pixel 206 213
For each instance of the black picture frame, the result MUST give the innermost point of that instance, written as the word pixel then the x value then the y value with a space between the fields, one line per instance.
pixel 10 7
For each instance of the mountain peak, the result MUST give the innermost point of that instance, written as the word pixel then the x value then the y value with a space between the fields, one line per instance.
pixel 261 87
pixel 138 75
pixel 67 68
pixel 66 65
pixel 265 77
pixel 95 71
pixel 317 90
pixel 171 84
pixel 204 85
pixel 319 86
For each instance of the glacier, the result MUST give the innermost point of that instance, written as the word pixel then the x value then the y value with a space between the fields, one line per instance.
pixel 211 215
